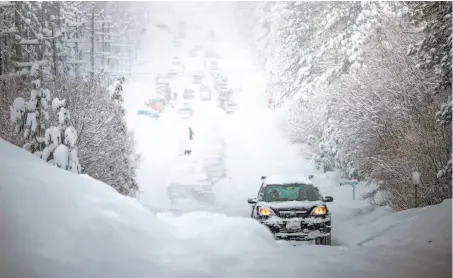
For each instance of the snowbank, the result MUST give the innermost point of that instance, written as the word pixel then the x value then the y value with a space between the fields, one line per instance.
pixel 428 227
pixel 54 223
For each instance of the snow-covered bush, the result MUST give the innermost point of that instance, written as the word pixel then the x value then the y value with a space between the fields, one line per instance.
pixel 60 140
pixel 56 144
pixel 106 149
pixel 28 117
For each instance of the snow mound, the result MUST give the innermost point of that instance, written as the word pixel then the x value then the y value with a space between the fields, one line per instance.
pixel 54 223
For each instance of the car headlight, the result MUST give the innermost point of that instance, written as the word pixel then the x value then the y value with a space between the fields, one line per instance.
pixel 319 211
pixel 265 211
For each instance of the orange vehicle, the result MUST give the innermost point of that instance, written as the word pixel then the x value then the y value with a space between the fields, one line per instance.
pixel 157 104
pixel 158 107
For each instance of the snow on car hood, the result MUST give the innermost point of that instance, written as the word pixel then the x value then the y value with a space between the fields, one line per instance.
pixel 292 204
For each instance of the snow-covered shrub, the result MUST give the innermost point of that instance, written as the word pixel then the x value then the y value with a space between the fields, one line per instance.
pixel 9 89
pixel 61 149
pixel 106 149
pixel 28 117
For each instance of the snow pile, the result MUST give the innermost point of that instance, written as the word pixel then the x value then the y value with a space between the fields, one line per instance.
pixel 428 227
pixel 57 224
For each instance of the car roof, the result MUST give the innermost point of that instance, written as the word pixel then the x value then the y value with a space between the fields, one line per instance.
pixel 280 179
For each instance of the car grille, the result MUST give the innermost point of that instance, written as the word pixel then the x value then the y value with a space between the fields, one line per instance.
pixel 293 213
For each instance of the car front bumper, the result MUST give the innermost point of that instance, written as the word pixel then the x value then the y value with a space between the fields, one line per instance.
pixel 298 229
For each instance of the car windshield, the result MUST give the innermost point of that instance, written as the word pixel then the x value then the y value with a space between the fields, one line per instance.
pixel 290 192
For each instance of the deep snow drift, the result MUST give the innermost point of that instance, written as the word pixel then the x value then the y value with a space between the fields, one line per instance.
pixel 54 223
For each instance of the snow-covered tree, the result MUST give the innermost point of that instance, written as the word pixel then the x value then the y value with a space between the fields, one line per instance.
pixel 46 42
pixel 434 49
pixel 29 116
pixel 356 94
pixel 106 149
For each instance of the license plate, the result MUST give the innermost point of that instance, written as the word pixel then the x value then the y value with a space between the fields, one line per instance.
pixel 293 226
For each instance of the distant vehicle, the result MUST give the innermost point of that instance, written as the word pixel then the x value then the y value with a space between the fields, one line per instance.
pixel 220 78
pixel 211 35
pixel 210 54
pixel 230 107
pixel 213 66
pixel 176 61
pixel 293 209
pixel 189 94
pixel 220 88
pixel 172 74
pixel 185 111
pixel 164 91
pixel 176 43
pixel 157 104
pixel 220 82
pixel 197 79
pixel 222 100
pixel 150 113
pixel 205 93
pixel 194 51
pixel 181 30
pixel 161 80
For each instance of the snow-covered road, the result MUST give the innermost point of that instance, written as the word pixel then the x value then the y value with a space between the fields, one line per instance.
pixel 233 151
pixel 59 224
pixel 54 223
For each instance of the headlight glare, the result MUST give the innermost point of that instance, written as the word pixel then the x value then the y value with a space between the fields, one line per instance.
pixel 319 211
pixel 265 211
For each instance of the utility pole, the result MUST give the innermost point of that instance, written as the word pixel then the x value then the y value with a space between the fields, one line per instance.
pixel 54 50
pixel 41 51
pixel 18 54
pixel 103 45
pixel 92 44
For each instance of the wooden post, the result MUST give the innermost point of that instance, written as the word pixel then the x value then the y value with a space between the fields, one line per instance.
pixel 416 183
pixel 352 183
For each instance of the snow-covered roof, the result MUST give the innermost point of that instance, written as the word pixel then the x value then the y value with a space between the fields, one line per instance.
pixel 279 179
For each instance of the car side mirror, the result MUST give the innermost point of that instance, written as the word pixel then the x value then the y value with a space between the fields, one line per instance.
pixel 328 199
pixel 252 201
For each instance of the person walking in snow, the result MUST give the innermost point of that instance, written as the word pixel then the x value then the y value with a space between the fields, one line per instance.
pixel 190 133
